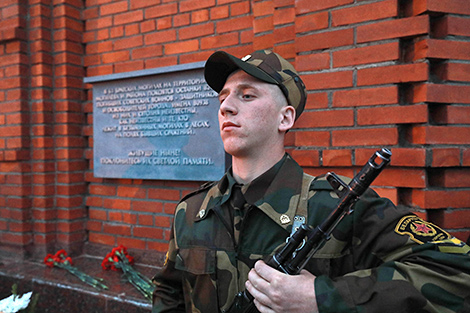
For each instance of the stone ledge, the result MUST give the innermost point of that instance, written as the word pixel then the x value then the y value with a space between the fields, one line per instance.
pixel 60 291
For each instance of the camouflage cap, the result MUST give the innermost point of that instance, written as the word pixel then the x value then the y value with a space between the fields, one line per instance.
pixel 265 65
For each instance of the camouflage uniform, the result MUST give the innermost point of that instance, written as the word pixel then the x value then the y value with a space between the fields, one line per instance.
pixel 379 259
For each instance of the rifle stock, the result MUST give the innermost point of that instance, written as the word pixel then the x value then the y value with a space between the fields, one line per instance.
pixel 302 245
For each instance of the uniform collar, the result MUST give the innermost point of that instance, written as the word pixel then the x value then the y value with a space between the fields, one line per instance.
pixel 276 192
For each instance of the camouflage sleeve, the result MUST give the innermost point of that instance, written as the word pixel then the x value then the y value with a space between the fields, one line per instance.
pixel 168 294
pixel 401 264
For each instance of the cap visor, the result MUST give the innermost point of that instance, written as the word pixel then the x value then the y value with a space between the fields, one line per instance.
pixel 221 64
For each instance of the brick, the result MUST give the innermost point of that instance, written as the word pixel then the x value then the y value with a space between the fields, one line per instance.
pixel 439 199
pixel 306 157
pixel 164 194
pixel 458 115
pixel 447 49
pixel 101 238
pixel 441 93
pixel 263 24
pixel 103 190
pixel 341 157
pixel 190 5
pixel 99 23
pixel 139 4
pixel 445 135
pixel 365 96
pixel 181 20
pixel 132 29
pixel 402 178
pixel 324 40
pixel 263 8
pixel 70 227
pixel 94 226
pixel 148 232
pixel 452 114
pixel 454 72
pixel 265 41
pixel 182 47
pixel 330 80
pixel 164 23
pixel 365 55
pixel 16 238
pixel 117 229
pixel 393 74
pixel 445 157
pixel 329 118
pixel 404 157
pixel 161 61
pixel 451 26
pixel 284 16
pixel 318 100
pixel 128 43
pixel 113 57
pixel 196 31
pixel 162 221
pixel 200 16
pixel 286 49
pixel 364 137
pixel 452 178
pixel 113 8
pixel 366 12
pixel 451 218
pixel 440 6
pixel 128 17
pixel 466 157
pixel 145 220
pixel 312 62
pixel 311 22
pixel 234 24
pixel 147 206
pixel 399 28
pixel 306 6
pixel 221 12
pixel 240 8
pixel 160 37
pixel 224 40
pixel 148 26
pixel 408 114
pixel 312 139
pixel 131 192
pixel 99 47
pixel 132 243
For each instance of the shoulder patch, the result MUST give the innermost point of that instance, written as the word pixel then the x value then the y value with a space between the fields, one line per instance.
pixel 420 231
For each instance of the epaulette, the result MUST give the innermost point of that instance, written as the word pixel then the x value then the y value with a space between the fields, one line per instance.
pixel 320 182
pixel 203 187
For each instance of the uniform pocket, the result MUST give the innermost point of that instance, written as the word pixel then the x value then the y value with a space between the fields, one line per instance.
pixel 196 261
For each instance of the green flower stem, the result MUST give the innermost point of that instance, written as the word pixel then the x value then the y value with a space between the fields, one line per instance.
pixel 139 281
pixel 96 283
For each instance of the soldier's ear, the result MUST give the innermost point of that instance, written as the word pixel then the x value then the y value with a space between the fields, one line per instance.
pixel 287 118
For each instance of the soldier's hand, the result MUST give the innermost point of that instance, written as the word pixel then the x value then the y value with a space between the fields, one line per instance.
pixel 278 292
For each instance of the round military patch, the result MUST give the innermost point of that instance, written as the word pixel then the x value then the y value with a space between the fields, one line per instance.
pixel 419 230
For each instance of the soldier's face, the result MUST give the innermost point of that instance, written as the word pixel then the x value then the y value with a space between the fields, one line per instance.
pixel 250 114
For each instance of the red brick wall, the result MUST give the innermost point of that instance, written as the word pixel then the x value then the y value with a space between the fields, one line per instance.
pixel 379 73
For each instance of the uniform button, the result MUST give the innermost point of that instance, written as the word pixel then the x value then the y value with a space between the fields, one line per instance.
pixel 202 213
pixel 284 219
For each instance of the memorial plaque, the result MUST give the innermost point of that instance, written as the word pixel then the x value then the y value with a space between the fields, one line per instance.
pixel 157 124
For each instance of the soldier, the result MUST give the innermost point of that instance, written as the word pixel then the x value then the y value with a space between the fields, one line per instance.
pixel 379 259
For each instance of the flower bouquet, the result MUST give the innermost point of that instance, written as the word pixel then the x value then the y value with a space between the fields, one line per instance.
pixel 60 259
pixel 118 258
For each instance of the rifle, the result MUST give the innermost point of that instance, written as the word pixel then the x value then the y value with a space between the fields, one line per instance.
pixel 302 245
